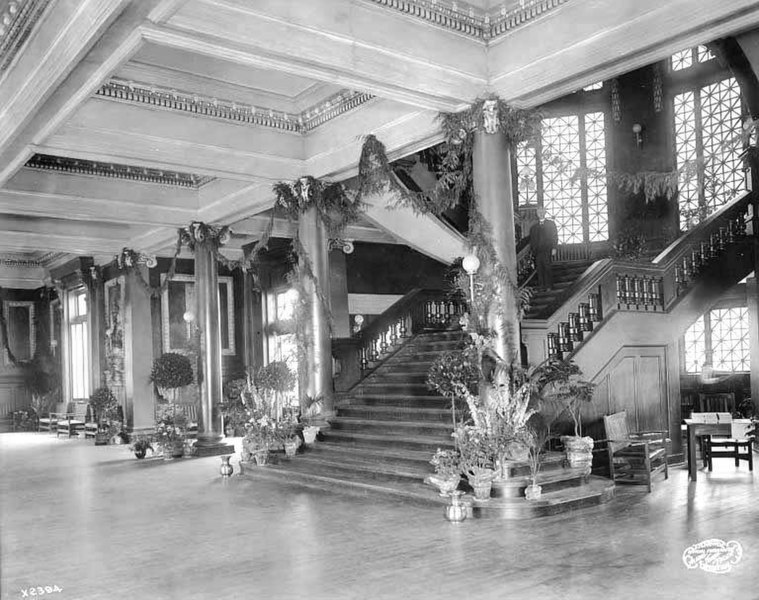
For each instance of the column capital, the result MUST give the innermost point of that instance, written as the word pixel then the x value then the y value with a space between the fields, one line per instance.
pixel 201 234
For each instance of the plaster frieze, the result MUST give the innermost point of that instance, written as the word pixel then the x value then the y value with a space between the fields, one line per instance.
pixel 472 20
pixel 311 118
pixel 16 24
pixel 63 164
pixel 23 260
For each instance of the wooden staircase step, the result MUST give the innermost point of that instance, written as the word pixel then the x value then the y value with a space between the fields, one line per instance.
pixel 399 413
pixel 394 428
pixel 397 442
pixel 596 491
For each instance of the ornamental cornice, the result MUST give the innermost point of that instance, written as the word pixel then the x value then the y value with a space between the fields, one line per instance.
pixel 25 261
pixel 16 24
pixel 170 99
pixel 471 20
pixel 117 171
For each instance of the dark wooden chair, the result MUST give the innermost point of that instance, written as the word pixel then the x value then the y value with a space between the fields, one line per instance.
pixel 739 446
pixel 634 457
pixel 723 402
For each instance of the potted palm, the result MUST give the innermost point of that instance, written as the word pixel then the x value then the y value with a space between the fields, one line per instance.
pixel 273 381
pixel 536 438
pixel 563 391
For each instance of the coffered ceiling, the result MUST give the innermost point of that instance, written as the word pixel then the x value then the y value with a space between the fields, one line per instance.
pixel 121 120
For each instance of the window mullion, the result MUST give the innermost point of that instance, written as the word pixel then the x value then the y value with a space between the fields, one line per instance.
pixel 583 179
pixel 701 161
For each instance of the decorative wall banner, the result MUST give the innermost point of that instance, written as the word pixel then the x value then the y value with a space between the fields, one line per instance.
pixel 114 295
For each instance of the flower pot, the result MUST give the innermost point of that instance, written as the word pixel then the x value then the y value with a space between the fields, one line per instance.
pixel 291 447
pixel 455 512
pixel 482 489
pixel 533 492
pixel 174 450
pixel 309 434
pixel 261 457
pixel 579 451
pixel 446 485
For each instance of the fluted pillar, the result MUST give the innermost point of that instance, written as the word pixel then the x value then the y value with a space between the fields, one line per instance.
pixel 491 170
pixel 318 351
pixel 207 315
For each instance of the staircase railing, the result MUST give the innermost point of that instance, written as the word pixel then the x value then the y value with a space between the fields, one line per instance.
pixel 419 310
pixel 612 285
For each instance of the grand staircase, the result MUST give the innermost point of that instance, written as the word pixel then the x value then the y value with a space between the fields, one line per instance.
pixel 545 302
pixel 389 426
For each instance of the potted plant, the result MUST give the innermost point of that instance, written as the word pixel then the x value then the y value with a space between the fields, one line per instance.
pixel 536 438
pixel 563 391
pixel 171 371
pixel 477 459
pixel 106 412
pixel 288 434
pixel 311 408
pixel 234 407
pixel 274 380
pixel 170 434
pixel 260 436
pixel 447 475
pixel 141 445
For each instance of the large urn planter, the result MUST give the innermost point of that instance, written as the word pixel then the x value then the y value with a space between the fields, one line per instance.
pixel 455 512
pixel 578 450
pixel 482 489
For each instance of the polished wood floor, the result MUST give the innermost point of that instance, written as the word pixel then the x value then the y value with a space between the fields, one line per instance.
pixel 97 523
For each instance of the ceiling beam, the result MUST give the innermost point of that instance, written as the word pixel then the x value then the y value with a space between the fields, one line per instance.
pixel 46 100
pixel 351 44
pixel 594 40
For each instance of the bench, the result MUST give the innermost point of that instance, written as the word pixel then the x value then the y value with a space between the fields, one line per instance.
pixel 190 412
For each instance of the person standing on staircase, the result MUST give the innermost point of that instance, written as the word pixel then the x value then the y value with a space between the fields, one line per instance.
pixel 543 241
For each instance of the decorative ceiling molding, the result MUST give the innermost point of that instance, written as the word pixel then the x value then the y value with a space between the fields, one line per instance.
pixel 26 260
pixel 99 169
pixel 16 24
pixel 311 118
pixel 472 20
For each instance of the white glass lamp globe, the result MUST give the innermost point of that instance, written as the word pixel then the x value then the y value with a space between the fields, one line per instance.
pixel 471 263
pixel 188 316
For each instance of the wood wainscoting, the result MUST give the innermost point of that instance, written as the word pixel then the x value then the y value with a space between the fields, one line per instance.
pixel 634 379
pixel 13 394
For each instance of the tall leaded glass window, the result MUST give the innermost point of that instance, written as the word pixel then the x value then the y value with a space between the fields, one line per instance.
pixel 78 344
pixel 730 342
pixel 719 338
pixel 708 141
pixel 695 347
pixel 565 173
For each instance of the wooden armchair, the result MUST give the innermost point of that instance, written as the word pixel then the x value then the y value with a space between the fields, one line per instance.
pixel 49 422
pixel 634 457
pixel 73 422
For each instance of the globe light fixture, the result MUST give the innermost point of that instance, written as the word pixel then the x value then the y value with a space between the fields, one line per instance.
pixel 470 264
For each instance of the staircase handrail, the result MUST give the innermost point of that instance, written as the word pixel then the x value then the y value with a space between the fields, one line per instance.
pixel 397 310
pixel 677 249
pixel 603 276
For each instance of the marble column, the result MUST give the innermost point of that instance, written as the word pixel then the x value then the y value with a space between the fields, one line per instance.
pixel 208 320
pixel 138 355
pixel 338 279
pixel 318 354
pixel 491 171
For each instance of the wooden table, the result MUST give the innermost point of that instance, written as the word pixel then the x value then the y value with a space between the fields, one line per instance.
pixel 698 429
